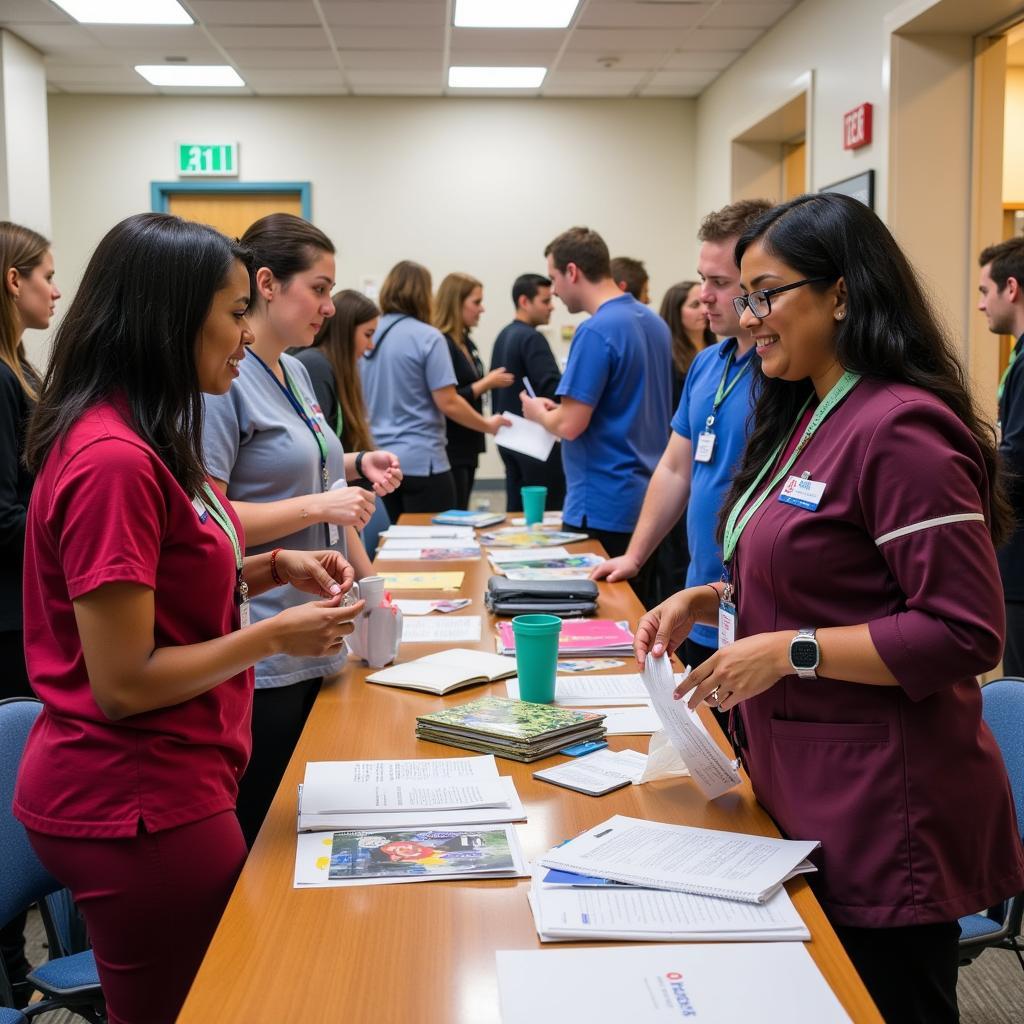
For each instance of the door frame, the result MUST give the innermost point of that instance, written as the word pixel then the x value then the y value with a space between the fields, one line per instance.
pixel 160 192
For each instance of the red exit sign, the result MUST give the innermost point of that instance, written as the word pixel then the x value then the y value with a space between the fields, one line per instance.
pixel 857 127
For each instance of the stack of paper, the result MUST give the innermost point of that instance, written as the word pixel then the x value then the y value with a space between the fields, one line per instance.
pixel 529 539
pixel 423 580
pixel 596 774
pixel 543 566
pixel 428 791
pixel 585 638
pixel 713 984
pixel 426 854
pixel 518 730
pixel 398 532
pixel 445 671
pixel 401 549
pixel 466 517
pixel 452 629
pixel 584 691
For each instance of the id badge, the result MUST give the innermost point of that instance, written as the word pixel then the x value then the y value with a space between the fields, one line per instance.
pixel 197 504
pixel 726 623
pixel 333 533
pixel 803 492
pixel 705 446
pixel 243 613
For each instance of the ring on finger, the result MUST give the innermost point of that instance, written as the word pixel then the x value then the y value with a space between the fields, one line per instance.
pixel 713 696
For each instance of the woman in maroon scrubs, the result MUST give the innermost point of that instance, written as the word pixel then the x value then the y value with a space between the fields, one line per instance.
pixel 861 587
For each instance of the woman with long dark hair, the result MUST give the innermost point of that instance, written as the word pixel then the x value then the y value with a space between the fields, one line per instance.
pixel 137 591
pixel 862 599
pixel 684 313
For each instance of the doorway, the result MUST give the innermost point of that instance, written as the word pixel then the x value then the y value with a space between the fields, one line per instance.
pixel 230 207
pixel 769 159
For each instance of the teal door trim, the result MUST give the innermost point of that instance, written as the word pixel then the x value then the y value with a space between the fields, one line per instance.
pixel 160 192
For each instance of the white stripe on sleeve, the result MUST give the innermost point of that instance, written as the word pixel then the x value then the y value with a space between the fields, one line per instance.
pixel 927 524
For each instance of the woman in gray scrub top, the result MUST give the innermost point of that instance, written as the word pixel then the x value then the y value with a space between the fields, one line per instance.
pixel 269 447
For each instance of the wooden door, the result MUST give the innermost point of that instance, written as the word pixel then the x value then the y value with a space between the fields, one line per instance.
pixel 794 169
pixel 232 212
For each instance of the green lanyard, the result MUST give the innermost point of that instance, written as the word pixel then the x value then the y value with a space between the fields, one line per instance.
pixel 1006 373
pixel 212 505
pixel 734 528
pixel 724 392
pixel 307 415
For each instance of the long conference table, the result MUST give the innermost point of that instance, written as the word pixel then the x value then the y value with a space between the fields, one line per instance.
pixel 425 953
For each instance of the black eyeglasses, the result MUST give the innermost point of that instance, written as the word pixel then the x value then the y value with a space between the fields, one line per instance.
pixel 760 302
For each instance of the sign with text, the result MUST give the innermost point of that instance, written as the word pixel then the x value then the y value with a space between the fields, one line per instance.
pixel 207 160
pixel 857 127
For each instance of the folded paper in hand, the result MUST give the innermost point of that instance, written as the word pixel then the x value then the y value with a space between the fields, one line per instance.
pixel 525 437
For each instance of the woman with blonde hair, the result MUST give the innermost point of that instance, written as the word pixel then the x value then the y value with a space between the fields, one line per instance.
pixel 458 307
pixel 410 387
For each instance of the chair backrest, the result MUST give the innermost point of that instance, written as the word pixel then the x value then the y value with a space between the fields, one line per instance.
pixel 1003 709
pixel 23 880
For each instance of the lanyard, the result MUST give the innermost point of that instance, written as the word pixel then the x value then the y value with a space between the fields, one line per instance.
pixel 723 392
pixel 1006 373
pixel 212 505
pixel 734 529
pixel 298 403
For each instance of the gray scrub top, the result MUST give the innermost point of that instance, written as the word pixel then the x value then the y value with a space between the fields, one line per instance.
pixel 255 440
pixel 398 378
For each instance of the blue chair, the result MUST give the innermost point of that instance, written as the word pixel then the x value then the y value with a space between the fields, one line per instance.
pixel 378 523
pixel 67 980
pixel 1003 709
pixel 8 1016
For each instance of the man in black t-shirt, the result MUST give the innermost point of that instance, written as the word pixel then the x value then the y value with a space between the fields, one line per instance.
pixel 1001 284
pixel 524 352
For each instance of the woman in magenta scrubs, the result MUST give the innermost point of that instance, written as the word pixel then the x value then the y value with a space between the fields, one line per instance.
pixel 861 587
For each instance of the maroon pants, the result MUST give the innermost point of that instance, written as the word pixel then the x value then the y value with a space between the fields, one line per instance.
pixel 151 904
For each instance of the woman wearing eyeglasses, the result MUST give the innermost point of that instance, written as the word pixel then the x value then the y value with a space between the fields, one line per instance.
pixel 864 599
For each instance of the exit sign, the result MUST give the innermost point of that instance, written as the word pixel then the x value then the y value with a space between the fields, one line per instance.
pixel 857 127
pixel 202 160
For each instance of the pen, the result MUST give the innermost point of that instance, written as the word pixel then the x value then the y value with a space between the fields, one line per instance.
pixel 529 387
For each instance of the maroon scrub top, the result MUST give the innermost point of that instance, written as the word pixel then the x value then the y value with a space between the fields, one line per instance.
pixel 904 786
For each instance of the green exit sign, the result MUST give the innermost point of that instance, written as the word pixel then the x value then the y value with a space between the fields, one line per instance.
pixel 202 160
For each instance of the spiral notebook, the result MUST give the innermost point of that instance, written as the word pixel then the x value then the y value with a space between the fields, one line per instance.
pixel 681 858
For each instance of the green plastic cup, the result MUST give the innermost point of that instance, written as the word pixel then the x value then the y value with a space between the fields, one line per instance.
pixel 533 504
pixel 537 655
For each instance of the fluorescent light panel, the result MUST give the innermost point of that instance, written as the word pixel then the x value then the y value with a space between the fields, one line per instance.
pixel 219 76
pixel 514 13
pixel 126 12
pixel 495 78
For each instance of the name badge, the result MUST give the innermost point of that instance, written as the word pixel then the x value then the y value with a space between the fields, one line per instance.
pixel 200 508
pixel 802 492
pixel 726 623
pixel 243 614
pixel 705 447
pixel 333 534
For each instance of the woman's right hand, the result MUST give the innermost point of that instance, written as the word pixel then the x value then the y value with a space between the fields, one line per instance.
pixel 665 627
pixel 497 378
pixel 346 506
pixel 316 629
pixel 495 423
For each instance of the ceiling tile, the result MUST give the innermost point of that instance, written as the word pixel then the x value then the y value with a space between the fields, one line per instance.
pixel 615 81
pixel 90 74
pixel 102 56
pixel 746 15
pixel 630 60
pixel 588 91
pixel 643 15
pixel 130 37
pixel 283 58
pixel 612 40
pixel 364 77
pixel 542 40
pixel 262 79
pixel 382 60
pixel 720 38
pixel 48 38
pixel 700 60
pixel 502 58
pixel 255 12
pixel 676 92
pixel 399 90
pixel 388 38
pixel 268 38
pixel 385 14
pixel 34 11
pixel 682 79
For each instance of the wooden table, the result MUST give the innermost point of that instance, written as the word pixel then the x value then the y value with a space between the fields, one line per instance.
pixel 425 953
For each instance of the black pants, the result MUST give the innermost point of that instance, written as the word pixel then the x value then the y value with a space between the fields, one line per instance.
pixel 434 493
pixel 1013 656
pixel 909 972
pixel 463 475
pixel 278 716
pixel 615 543
pixel 673 562
pixel 522 471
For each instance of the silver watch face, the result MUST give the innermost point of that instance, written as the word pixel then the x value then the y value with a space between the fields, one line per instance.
pixel 803 654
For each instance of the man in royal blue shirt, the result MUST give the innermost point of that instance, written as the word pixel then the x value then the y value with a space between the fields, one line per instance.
pixel 693 475
pixel 615 396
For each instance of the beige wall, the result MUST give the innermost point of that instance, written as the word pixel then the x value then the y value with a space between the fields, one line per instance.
pixel 473 185
pixel 1013 138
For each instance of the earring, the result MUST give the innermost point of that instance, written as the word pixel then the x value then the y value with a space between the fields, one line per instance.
pixel 841 314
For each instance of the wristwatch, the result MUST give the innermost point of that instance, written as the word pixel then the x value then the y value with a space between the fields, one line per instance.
pixel 359 463
pixel 804 654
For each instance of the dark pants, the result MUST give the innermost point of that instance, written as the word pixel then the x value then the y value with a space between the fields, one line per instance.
pixel 1013 656
pixel 615 544
pixel 522 471
pixel 463 475
pixel 909 972
pixel 151 903
pixel 434 493
pixel 278 716
pixel 673 562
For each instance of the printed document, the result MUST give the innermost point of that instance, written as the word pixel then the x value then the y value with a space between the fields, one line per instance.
pixel 526 437
pixel 451 629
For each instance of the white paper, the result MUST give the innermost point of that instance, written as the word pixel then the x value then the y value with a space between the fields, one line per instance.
pixel 714 983
pixel 682 858
pixel 593 772
pixel 713 772
pixel 562 912
pixel 397 532
pixel 416 608
pixel 451 629
pixel 592 691
pixel 441 551
pixel 550 519
pixel 478 662
pixel 630 721
pixel 526 437
pixel 404 797
pixel 503 556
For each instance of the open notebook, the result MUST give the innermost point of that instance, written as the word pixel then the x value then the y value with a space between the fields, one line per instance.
pixel 446 671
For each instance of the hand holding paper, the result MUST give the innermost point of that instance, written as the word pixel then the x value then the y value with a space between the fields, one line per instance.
pixel 525 437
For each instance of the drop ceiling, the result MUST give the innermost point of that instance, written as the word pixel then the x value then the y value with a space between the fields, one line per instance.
pixel 401 47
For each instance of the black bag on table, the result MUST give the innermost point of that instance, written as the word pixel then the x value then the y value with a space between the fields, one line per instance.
pixel 565 598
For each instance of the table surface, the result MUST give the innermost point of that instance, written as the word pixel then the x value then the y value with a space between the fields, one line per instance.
pixel 426 952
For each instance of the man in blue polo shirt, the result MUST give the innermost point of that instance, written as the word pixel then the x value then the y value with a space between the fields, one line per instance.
pixel 615 396
pixel 695 471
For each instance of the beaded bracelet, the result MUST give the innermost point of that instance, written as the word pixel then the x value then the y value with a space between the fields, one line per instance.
pixel 273 567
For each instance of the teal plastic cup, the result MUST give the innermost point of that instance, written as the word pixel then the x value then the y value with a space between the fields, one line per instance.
pixel 533 504
pixel 537 655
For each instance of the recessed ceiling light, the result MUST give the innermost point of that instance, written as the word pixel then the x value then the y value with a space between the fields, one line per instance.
pixel 495 78
pixel 514 13
pixel 219 76
pixel 126 12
